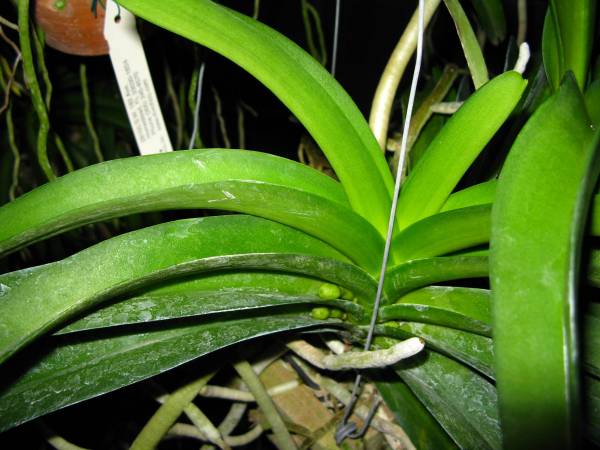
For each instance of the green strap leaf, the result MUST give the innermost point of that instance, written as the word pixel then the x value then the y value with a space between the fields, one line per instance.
pixel 466 309
pixel 573 22
pixel 478 194
pixel 462 401
pixel 56 292
pixel 174 180
pixel 456 146
pixel 152 308
pixel 552 51
pixel 201 294
pixel 302 84
pixel 484 193
pixel 74 369
pixel 534 273
pixel 471 349
pixel 443 233
pixel 419 273
pixel 469 43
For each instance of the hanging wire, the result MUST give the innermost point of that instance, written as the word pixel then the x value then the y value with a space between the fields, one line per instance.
pixel 197 106
pixel 336 32
pixel 349 429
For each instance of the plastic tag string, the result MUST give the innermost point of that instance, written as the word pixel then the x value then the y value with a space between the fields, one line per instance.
pixel 348 429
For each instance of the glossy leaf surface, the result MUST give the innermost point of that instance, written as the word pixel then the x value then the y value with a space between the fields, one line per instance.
pixel 153 308
pixel 465 309
pixel 574 29
pixel 478 194
pixel 443 233
pixel 468 348
pixel 422 272
pixel 79 368
pixel 456 146
pixel 233 180
pixel 463 402
pixel 537 225
pixel 302 84
pixel 58 291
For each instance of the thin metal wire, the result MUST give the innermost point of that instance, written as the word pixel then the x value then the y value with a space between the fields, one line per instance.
pixel 345 429
pixel 336 32
pixel 197 106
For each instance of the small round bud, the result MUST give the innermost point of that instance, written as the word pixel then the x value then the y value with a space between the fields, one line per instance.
pixel 320 313
pixel 328 291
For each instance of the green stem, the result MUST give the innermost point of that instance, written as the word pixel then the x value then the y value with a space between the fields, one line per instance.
pixel 164 418
pixel 87 112
pixel 16 155
pixel 284 439
pixel 34 87
pixel 39 50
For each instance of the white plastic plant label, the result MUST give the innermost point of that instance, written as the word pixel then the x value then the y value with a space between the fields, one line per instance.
pixel 134 80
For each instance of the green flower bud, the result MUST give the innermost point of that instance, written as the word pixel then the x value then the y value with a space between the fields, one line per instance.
pixel 329 291
pixel 320 313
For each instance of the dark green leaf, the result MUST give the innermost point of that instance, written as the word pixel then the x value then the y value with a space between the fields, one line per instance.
pixel 423 272
pixel 56 292
pixel 537 224
pixel 463 402
pixel 471 349
pixel 150 308
pixel 77 369
pixel 465 309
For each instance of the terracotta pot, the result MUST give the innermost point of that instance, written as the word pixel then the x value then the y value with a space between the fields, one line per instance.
pixel 71 26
